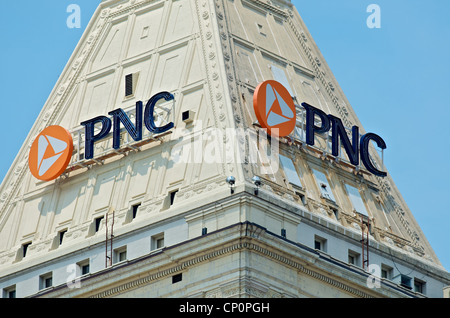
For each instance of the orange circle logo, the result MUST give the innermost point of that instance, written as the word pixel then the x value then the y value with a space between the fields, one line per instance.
pixel 274 108
pixel 50 153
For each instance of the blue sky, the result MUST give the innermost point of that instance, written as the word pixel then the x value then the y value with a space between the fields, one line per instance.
pixel 395 77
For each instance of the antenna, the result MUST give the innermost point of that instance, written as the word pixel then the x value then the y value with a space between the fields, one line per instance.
pixel 109 239
pixel 365 242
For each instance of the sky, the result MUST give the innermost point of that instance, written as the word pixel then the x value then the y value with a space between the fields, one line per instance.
pixel 396 78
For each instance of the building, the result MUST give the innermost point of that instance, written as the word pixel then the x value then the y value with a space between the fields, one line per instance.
pixel 160 215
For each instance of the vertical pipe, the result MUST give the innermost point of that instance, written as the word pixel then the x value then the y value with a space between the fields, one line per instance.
pixel 106 243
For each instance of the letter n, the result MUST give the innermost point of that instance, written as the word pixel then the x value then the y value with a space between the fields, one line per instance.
pixel 338 132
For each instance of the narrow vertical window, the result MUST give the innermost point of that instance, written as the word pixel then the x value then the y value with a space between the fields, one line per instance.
pixel 25 249
pixel 61 236
pixel 135 209
pixel 353 258
pixel 98 222
pixel 129 85
pixel 172 196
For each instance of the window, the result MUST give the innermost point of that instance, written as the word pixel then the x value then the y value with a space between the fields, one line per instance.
pixel 172 196
pixel 83 268
pixel 356 200
pixel 130 84
pixel 120 254
pixel 177 278
pixel 169 200
pixel 419 286
pixel 405 281
pixel 353 258
pixel 9 292
pixel 61 236
pixel 301 197
pixel 336 213
pixel 25 248
pixel 320 243
pixel 290 171
pixel 324 186
pixel 98 222
pixel 386 271
pixel 134 210
pixel 157 241
pixel 45 281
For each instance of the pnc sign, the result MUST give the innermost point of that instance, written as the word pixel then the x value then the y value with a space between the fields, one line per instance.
pixel 51 152
pixel 275 110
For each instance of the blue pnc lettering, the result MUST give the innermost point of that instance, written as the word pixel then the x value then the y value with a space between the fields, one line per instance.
pixel 91 137
pixel 365 157
pixel 149 117
pixel 120 117
pixel 311 128
pixel 354 149
pixel 135 131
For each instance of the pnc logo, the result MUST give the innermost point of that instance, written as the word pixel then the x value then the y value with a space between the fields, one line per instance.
pixel 274 108
pixel 50 153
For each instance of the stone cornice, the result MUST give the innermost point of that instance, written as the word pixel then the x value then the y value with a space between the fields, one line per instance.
pixel 237 238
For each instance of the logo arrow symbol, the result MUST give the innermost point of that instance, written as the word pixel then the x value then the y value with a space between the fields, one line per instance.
pixel 273 101
pixel 58 147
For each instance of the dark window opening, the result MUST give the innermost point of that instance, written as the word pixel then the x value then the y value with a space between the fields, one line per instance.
pixel 177 278
pixel 405 281
pixel 85 269
pixel 302 197
pixel 135 209
pixel 419 286
pixel 317 245
pixel 98 222
pixel 25 249
pixel 61 236
pixel 129 85
pixel 46 281
pixel 172 196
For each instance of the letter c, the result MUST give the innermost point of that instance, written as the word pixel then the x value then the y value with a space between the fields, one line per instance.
pixel 365 157
pixel 149 118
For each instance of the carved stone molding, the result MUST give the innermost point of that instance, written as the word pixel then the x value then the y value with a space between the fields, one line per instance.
pixel 233 291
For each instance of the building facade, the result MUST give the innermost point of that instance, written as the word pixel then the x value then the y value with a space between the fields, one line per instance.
pixel 179 212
